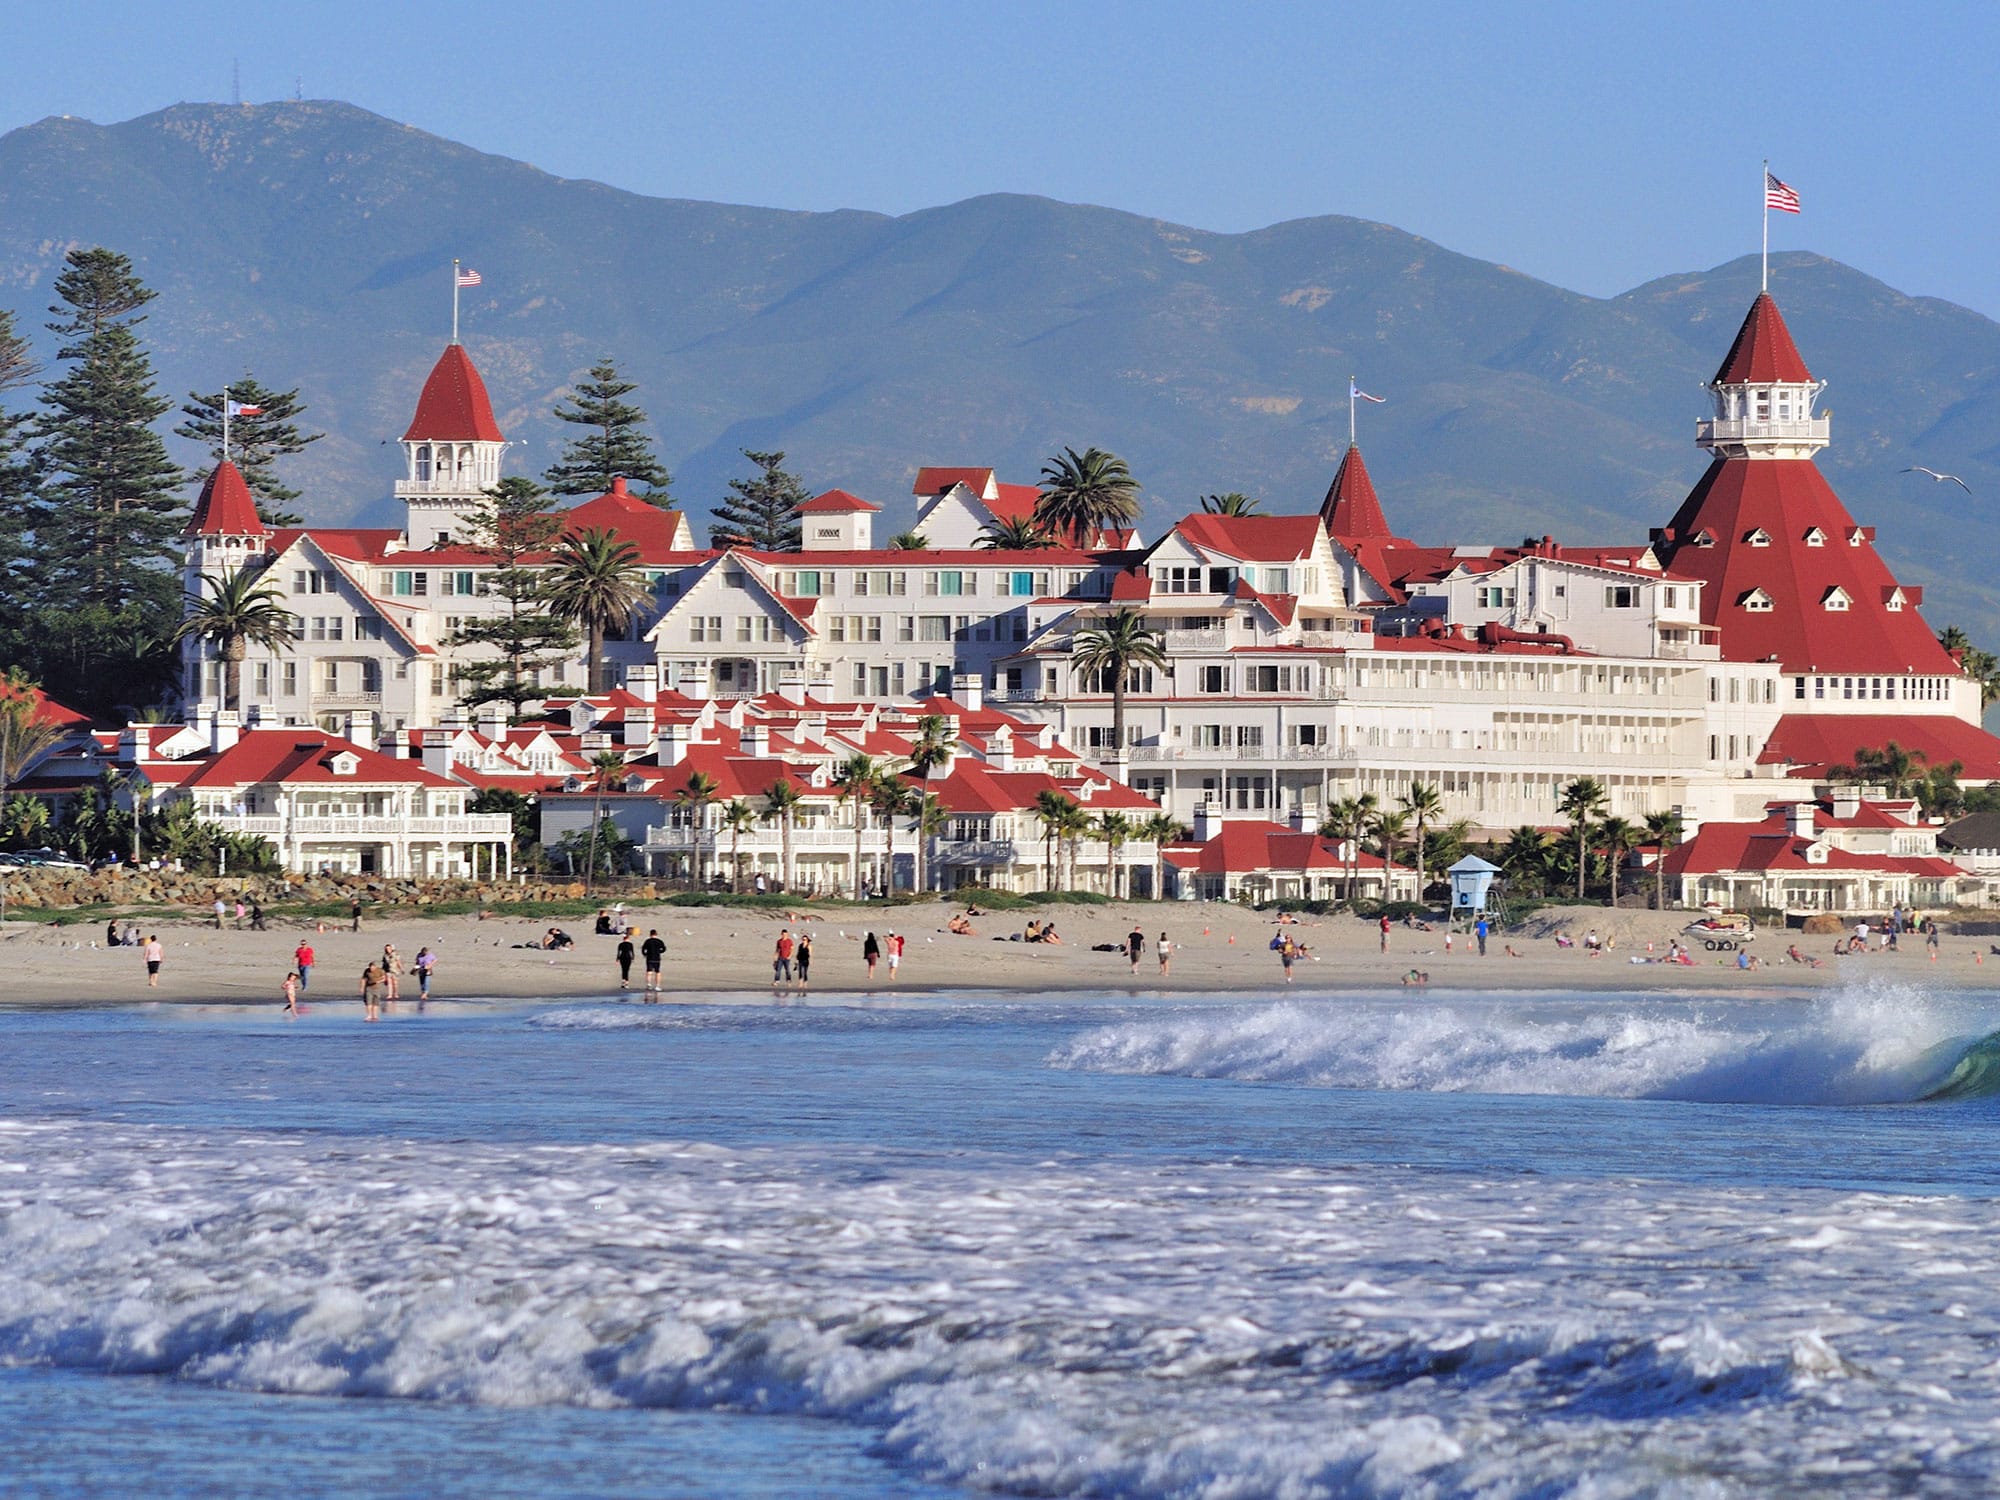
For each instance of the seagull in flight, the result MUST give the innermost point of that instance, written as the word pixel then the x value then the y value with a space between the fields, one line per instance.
pixel 1940 478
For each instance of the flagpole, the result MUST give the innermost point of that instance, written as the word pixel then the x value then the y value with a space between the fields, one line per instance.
pixel 225 424
pixel 1764 194
pixel 454 299
pixel 1352 387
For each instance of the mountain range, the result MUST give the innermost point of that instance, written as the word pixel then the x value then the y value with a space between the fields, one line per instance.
pixel 311 243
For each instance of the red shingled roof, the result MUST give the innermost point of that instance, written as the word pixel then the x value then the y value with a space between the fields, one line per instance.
pixel 1812 742
pixel 651 528
pixel 304 756
pixel 1785 499
pixel 1252 538
pixel 1351 510
pixel 225 507
pixel 935 481
pixel 1763 350
pixel 1770 845
pixel 835 502
pixel 454 407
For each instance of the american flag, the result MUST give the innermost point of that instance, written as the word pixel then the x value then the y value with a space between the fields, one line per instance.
pixel 1776 195
pixel 471 278
pixel 1355 393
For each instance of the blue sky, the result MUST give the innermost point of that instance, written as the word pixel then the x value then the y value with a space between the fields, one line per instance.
pixel 1593 145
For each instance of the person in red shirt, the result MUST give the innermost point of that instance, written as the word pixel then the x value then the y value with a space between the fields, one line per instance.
pixel 781 958
pixel 895 954
pixel 302 958
pixel 1385 932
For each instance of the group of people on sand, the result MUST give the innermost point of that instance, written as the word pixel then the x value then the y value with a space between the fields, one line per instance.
pixel 653 950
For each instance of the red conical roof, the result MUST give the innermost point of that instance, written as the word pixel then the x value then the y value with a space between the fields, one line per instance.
pixel 454 407
pixel 1782 502
pixel 1351 509
pixel 225 507
pixel 1763 350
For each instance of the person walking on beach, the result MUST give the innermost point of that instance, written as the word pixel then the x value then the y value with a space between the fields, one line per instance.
pixel 895 954
pixel 354 913
pixel 1385 943
pixel 302 957
pixel 781 958
pixel 221 910
pixel 871 951
pixel 155 956
pixel 371 992
pixel 292 993
pixel 1135 946
pixel 1480 930
pixel 626 953
pixel 802 960
pixel 425 962
pixel 1166 951
pixel 1288 951
pixel 392 973
pixel 653 950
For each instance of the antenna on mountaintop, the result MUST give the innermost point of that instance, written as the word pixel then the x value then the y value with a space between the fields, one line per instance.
pixel 298 89
pixel 235 82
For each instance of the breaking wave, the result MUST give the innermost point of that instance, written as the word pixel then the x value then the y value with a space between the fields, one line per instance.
pixel 1876 1046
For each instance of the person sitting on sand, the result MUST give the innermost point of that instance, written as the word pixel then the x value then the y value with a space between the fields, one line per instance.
pixel 1415 923
pixel 1745 959
pixel 974 911
pixel 1592 943
pixel 1799 958
pixel 1416 976
pixel 1034 932
pixel 555 940
pixel 1050 935
pixel 960 925
pixel 1564 940
pixel 1510 951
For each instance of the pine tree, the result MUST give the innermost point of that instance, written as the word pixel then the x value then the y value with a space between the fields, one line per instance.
pixel 513 528
pixel 255 442
pixel 17 484
pixel 761 512
pixel 109 519
pixel 616 444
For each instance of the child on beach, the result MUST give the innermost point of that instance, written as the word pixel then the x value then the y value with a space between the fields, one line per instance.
pixel 292 993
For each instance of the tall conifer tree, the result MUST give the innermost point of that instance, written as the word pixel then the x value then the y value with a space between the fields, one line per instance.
pixel 512 529
pixel 761 512
pixel 255 442
pixel 17 482
pixel 616 442
pixel 109 520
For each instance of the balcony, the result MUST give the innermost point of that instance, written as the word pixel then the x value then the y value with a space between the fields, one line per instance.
pixel 1208 754
pixel 1726 430
pixel 450 485
pixel 327 702
pixel 1195 640
pixel 365 826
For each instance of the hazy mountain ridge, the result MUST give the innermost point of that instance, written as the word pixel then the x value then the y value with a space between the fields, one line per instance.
pixel 309 242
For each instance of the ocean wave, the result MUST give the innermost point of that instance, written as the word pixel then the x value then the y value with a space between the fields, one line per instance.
pixel 1051 1328
pixel 1875 1045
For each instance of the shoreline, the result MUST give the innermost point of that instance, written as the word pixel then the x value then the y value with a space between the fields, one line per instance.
pixel 1218 950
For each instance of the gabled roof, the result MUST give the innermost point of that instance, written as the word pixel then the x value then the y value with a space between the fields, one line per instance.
pixel 226 507
pixel 1786 497
pixel 836 502
pixel 454 407
pixel 654 530
pixel 45 710
pixel 1252 538
pixel 1244 846
pixel 1351 510
pixel 304 756
pixel 1763 350
pixel 936 480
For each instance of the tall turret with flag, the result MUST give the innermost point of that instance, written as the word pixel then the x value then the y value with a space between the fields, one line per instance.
pixel 453 446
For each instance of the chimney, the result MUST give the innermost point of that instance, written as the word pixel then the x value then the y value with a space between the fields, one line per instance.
pixel 1000 749
pixel 757 741
pixel 1801 818
pixel 792 687
pixel 436 750
pixel 254 716
pixel 688 685
pixel 492 720
pixel 454 719
pixel 639 729
pixel 1207 822
pixel 968 691
pixel 222 731
pixel 1846 801
pixel 672 740
pixel 135 745
pixel 361 728
pixel 618 484
pixel 643 683
pixel 1298 818
pixel 202 719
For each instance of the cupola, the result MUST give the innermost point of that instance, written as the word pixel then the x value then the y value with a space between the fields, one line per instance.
pixel 451 450
pixel 1763 394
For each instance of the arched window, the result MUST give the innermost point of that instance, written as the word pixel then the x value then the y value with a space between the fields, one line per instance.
pixel 423 462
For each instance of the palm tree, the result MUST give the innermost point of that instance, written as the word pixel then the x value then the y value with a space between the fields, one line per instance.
pixel 1115 828
pixel 696 794
pixel 1015 534
pixel 1664 829
pixel 1388 829
pixel 1075 824
pixel 932 818
pixel 1159 830
pixel 1619 837
pixel 1051 808
pixel 1230 503
pixel 236 615
pixel 25 736
pixel 1892 768
pixel 597 583
pixel 854 781
pixel 1084 493
pixel 604 765
pixel 890 800
pixel 1582 800
pixel 1424 804
pixel 782 802
pixel 1526 853
pixel 933 744
pixel 739 817
pixel 1112 649
pixel 909 541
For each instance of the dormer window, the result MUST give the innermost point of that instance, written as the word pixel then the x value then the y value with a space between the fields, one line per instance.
pixel 1894 603
pixel 1757 602
pixel 1704 538
pixel 1836 599
pixel 1758 537
pixel 346 763
pixel 1856 537
pixel 1815 538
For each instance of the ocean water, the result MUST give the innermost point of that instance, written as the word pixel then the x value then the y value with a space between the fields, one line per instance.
pixel 1399 1244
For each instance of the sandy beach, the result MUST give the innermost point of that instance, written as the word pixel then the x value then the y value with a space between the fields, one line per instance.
pixel 715 951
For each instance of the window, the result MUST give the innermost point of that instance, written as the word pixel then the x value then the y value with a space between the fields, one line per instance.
pixel 1621 596
pixel 950 583
pixel 288 678
pixel 804 584
pixel 1494 597
pixel 1210 736
pixel 262 680
pixel 1178 580
pixel 369 627
pixel 1815 538
pixel 437 679
pixel 1757 602
pixel 934 627
pixel 456 583
pixel 1212 679
pixel 1307 734
pixel 1836 599
pixel 1798 687
pixel 329 677
pixel 906 627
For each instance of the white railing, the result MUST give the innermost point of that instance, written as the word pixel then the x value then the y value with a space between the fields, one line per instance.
pixel 469 485
pixel 346 700
pixel 468 825
pixel 1749 429
pixel 670 836
pixel 259 825
pixel 1205 753
pixel 1196 640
